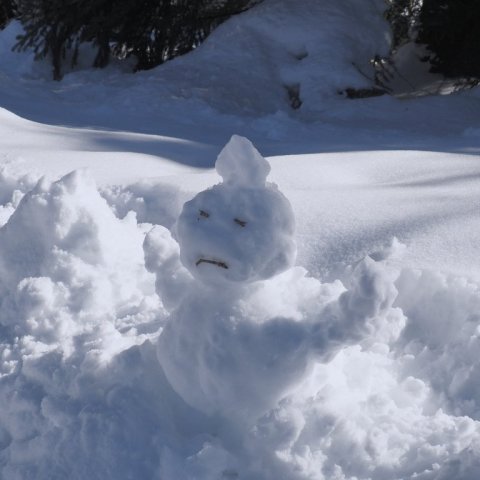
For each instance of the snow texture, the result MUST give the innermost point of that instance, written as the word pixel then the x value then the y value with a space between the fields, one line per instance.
pixel 118 363
pixel 121 358
pixel 63 261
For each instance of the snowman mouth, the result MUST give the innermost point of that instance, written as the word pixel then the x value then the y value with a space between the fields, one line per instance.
pixel 217 263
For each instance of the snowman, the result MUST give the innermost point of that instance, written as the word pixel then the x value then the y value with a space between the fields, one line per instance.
pixel 245 326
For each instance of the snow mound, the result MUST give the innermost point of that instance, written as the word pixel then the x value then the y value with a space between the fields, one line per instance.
pixel 241 230
pixel 282 56
pixel 66 262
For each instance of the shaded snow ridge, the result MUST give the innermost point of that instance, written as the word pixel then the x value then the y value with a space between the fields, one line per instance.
pixel 123 355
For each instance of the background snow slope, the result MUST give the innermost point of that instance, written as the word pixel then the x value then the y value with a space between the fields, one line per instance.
pixel 82 391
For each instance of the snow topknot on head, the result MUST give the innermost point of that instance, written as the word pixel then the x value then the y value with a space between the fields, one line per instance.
pixel 240 164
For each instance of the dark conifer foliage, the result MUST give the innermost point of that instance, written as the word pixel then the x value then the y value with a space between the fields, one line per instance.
pixel 152 31
pixel 52 27
pixel 450 30
pixel 7 12
pixel 402 15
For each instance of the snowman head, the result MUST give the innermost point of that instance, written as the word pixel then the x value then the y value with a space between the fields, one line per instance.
pixel 241 230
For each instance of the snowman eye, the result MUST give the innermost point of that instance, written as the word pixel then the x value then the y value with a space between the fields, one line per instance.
pixel 242 223
pixel 203 213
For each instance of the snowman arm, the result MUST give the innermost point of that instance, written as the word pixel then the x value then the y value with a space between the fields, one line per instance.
pixel 358 312
pixel 162 258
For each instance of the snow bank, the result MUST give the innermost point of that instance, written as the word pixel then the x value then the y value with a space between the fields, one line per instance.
pixel 303 54
pixel 278 56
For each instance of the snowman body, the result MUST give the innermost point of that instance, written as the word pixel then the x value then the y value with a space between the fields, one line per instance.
pixel 223 361
pixel 246 326
pixel 233 237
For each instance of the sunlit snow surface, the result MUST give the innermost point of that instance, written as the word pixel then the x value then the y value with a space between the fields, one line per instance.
pixel 124 357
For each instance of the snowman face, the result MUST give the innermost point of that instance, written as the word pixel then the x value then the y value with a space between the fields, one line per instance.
pixel 236 234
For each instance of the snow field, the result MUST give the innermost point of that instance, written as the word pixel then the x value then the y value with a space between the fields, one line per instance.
pixel 117 363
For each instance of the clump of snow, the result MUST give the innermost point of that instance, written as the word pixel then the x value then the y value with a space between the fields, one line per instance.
pixel 153 202
pixel 240 164
pixel 13 185
pixel 442 337
pixel 64 256
pixel 359 417
pixel 241 230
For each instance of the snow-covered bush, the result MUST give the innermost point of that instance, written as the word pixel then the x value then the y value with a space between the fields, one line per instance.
pixel 150 32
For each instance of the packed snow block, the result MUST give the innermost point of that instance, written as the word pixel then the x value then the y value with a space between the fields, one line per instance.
pixel 241 230
pixel 64 257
